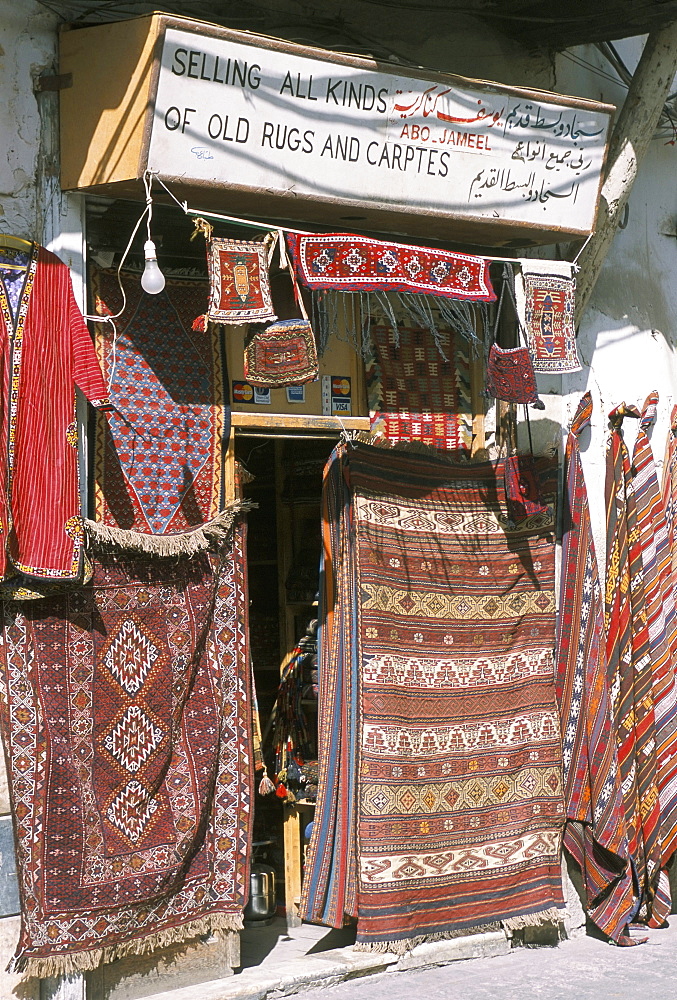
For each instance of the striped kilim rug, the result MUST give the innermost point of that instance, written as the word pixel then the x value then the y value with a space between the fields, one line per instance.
pixel 125 713
pixel 595 833
pixel 629 668
pixel 416 393
pixel 440 803
pixel 660 609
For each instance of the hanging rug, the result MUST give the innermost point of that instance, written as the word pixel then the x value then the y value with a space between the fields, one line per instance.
pixel 159 456
pixel 549 302
pixel 125 718
pixel 239 283
pixel 440 801
pixel 357 263
pixel 415 393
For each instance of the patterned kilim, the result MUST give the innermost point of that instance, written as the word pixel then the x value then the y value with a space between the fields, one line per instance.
pixel 629 667
pixel 284 353
pixel 159 456
pixel 669 496
pixel 358 263
pixel 595 832
pixel 414 393
pixel 125 717
pixel 440 803
pixel 669 490
pixel 549 322
pixel 660 609
pixel 238 276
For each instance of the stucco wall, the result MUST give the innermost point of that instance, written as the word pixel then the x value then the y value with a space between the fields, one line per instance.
pixel 27 49
pixel 628 335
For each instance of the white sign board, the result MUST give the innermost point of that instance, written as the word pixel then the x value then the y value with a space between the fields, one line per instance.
pixel 239 115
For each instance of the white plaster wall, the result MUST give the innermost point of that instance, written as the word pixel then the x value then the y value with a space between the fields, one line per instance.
pixel 628 335
pixel 27 49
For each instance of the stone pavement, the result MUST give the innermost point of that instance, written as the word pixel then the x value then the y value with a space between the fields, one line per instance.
pixel 580 969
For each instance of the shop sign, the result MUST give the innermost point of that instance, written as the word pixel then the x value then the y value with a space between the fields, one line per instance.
pixel 238 115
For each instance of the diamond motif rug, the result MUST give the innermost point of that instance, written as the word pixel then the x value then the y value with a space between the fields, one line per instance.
pixel 347 262
pixel 440 799
pixel 125 718
pixel 549 307
pixel 159 455
pixel 415 393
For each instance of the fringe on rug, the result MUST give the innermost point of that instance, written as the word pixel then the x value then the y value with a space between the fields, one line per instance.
pixel 348 316
pixel 551 915
pixel 378 440
pixel 84 961
pixel 206 537
pixel 404 945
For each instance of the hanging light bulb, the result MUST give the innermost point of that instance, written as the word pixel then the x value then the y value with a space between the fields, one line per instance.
pixel 152 279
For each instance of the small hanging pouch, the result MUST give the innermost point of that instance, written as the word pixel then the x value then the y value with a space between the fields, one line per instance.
pixel 510 372
pixel 522 490
pixel 283 353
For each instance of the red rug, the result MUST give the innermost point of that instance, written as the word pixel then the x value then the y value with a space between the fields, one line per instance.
pixel 125 718
pixel 416 394
pixel 346 263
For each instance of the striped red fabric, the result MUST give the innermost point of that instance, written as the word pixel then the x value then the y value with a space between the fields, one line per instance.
pixel 660 609
pixel 595 834
pixel 45 351
pixel 629 668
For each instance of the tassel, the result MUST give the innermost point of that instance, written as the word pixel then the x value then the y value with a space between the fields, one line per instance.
pixel 281 791
pixel 200 323
pixel 202 226
pixel 266 786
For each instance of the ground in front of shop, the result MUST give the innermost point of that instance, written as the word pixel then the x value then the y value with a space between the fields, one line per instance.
pixel 277 961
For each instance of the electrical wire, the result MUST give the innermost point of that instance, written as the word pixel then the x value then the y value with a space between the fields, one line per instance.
pixel 111 318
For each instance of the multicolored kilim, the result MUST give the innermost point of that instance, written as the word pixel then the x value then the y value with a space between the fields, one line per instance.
pixel 126 723
pixel 669 495
pixel 239 284
pixel 440 803
pixel 414 393
pixel 159 456
pixel 358 263
pixel 550 301
pixel 595 833
pixel 629 668
pixel 283 353
pixel 660 609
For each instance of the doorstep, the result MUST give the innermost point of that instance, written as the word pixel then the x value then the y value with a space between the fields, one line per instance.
pixel 278 962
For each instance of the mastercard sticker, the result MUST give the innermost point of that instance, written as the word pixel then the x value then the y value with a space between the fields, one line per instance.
pixel 336 396
pixel 243 392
